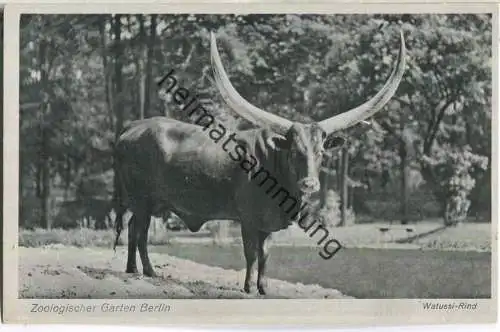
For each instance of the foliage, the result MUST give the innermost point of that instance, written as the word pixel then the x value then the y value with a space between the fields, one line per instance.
pixel 329 214
pixel 81 81
pixel 83 237
pixel 453 168
pixel 75 237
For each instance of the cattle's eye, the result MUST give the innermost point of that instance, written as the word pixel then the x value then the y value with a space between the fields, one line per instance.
pixel 333 142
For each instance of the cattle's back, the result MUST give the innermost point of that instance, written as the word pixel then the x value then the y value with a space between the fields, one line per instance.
pixel 177 164
pixel 180 168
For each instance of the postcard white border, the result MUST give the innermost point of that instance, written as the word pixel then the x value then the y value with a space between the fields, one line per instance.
pixel 346 313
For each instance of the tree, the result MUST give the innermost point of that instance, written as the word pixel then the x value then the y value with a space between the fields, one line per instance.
pixel 451 72
pixel 100 71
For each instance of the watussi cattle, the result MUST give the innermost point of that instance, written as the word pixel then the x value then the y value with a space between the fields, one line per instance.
pixel 168 165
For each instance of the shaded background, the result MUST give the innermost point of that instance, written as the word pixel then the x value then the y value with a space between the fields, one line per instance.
pixel 428 157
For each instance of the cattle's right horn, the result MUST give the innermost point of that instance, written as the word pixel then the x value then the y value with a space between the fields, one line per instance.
pixel 236 102
pixel 369 108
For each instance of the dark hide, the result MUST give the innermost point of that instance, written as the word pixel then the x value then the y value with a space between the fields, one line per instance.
pixel 168 165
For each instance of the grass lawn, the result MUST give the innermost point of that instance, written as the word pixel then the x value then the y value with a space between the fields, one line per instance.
pixel 362 273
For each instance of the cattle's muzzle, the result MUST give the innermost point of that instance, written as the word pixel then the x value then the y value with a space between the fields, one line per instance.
pixel 309 185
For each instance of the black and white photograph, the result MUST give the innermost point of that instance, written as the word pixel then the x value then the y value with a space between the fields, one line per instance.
pixel 255 156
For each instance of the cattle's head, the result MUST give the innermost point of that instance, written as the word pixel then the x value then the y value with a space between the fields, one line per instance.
pixel 305 143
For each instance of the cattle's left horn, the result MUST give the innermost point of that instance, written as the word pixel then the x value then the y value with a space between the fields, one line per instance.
pixel 236 102
pixel 353 116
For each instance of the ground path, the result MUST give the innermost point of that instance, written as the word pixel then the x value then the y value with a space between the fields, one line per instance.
pixel 69 272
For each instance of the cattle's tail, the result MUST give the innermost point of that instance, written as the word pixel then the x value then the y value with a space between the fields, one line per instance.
pixel 118 197
pixel 119 228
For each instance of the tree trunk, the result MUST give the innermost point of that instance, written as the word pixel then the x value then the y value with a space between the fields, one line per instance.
pixel 38 174
pixel 67 177
pixel 403 155
pixel 323 181
pixel 140 67
pixel 45 199
pixel 325 178
pixel 107 77
pixel 44 144
pixel 351 198
pixel 118 87
pixel 158 70
pixel 339 172
pixel 148 80
pixel 220 231
pixel 345 187
pixel 118 95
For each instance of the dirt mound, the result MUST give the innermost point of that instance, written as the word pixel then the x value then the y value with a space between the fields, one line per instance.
pixel 69 272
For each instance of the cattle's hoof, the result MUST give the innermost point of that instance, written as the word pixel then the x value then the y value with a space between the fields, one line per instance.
pixel 150 273
pixel 131 270
pixel 262 290
pixel 247 289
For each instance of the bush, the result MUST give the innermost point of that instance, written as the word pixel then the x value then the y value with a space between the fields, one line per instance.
pixel 84 237
pixel 330 215
pixel 219 230
pixel 158 232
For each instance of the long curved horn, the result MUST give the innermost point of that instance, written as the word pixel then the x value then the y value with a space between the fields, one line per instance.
pixel 237 103
pixel 369 108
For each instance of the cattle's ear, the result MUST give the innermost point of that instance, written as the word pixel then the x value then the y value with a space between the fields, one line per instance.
pixel 278 142
pixel 333 141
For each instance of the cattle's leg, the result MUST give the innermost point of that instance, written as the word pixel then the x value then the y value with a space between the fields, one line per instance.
pixel 263 252
pixel 250 240
pixel 142 229
pixel 132 245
